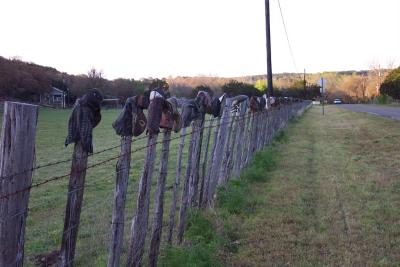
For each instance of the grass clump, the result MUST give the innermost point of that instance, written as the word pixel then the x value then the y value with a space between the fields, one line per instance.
pixel 202 242
pixel 282 137
pixel 263 162
pixel 232 198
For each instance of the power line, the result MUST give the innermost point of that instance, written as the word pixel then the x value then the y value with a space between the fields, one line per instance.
pixel 287 37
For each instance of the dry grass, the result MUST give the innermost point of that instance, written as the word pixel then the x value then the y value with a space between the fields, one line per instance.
pixel 334 198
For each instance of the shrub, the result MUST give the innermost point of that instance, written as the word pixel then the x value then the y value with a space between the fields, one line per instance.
pixel 391 84
pixel 384 99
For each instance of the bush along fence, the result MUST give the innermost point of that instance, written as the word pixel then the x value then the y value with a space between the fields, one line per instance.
pixel 208 142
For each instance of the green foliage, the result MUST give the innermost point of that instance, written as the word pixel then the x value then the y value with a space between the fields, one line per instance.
pixel 263 162
pixel 261 85
pixel 233 88
pixel 233 201
pixel 198 255
pixel 204 242
pixel 232 197
pixel 281 136
pixel 200 228
pixel 384 99
pixel 297 90
pixel 391 85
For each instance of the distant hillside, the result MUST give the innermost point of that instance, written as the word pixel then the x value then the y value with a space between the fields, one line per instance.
pixel 27 81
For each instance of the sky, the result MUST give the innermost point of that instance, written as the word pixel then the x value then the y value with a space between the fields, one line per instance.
pixel 226 38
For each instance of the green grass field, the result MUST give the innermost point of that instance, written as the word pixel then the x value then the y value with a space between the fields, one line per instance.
pixel 333 198
pixel 47 202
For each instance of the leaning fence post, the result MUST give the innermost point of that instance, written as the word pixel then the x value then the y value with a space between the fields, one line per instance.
pixel 204 198
pixel 140 220
pixel 205 161
pixel 118 217
pixel 74 205
pixel 225 153
pixel 246 144
pixel 219 149
pixel 17 151
pixel 159 200
pixel 185 189
pixel 175 189
pixel 85 116
pixel 240 140
pixel 194 176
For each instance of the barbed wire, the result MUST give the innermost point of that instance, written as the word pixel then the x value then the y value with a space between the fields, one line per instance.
pixel 55 178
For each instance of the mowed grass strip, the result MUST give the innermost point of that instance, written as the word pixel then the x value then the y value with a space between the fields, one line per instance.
pixel 333 198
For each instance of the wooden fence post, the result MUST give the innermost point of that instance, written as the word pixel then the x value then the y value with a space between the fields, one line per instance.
pixel 118 218
pixel 175 190
pixel 246 145
pixel 74 205
pixel 205 161
pixel 225 153
pixel 204 198
pixel 252 133
pixel 194 176
pixel 17 153
pixel 240 140
pixel 185 189
pixel 159 200
pixel 232 148
pixel 141 218
pixel 219 148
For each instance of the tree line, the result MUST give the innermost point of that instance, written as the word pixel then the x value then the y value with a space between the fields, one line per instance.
pixel 27 81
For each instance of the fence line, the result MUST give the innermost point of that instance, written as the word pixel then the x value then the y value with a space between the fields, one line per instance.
pixel 228 147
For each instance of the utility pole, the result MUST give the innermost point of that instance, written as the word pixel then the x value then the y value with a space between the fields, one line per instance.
pixel 305 84
pixel 268 36
pixel 323 96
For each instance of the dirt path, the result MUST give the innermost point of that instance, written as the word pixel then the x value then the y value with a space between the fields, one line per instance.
pixel 334 199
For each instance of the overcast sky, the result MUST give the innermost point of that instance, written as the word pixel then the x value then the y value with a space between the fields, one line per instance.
pixel 159 38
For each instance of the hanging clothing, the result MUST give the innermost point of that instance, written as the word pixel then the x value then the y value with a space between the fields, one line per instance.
pixel 85 116
pixel 131 120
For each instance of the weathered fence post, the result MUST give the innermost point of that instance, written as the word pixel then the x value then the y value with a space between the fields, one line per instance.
pixel 118 217
pixel 204 198
pixel 194 176
pixel 85 116
pixel 205 161
pixel 219 148
pixel 225 153
pixel 246 145
pixel 186 184
pixel 159 200
pixel 240 141
pixel 74 205
pixel 17 153
pixel 175 189
pixel 140 220
pixel 252 133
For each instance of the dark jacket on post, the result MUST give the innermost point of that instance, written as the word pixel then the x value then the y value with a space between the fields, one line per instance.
pixel 85 116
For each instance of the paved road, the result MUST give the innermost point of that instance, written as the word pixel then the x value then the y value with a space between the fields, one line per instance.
pixel 388 112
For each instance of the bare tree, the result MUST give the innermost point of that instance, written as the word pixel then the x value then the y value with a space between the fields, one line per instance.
pixel 95 78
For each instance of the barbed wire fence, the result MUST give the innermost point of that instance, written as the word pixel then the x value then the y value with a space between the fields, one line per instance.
pixel 150 184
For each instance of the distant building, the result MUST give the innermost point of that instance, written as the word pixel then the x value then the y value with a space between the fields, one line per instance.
pixel 57 98
pixel 111 102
